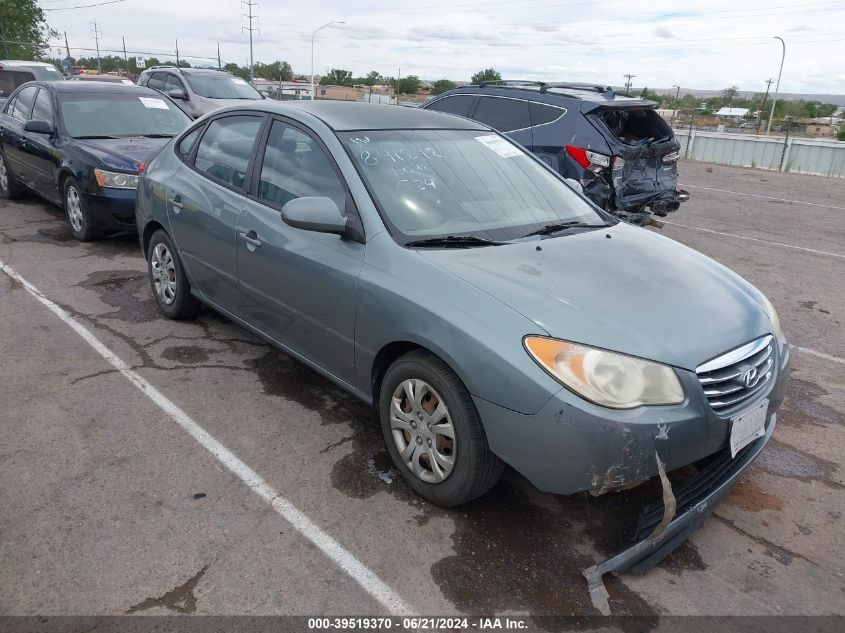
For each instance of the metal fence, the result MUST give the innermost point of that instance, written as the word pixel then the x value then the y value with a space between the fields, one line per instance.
pixel 819 157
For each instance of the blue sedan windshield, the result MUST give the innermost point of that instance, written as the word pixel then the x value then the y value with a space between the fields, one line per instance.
pixel 120 114
pixel 431 183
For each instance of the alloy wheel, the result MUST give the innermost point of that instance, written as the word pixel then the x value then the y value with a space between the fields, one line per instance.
pixel 74 209
pixel 423 431
pixel 164 273
pixel 4 176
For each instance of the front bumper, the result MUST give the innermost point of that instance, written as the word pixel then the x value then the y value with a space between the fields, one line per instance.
pixel 112 209
pixel 572 445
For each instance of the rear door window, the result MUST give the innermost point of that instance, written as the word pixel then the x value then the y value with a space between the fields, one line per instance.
pixel 172 83
pixel 23 103
pixel 11 79
pixel 505 115
pixel 542 113
pixel 226 147
pixel 459 104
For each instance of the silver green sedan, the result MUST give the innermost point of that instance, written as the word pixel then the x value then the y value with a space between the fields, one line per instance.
pixel 433 268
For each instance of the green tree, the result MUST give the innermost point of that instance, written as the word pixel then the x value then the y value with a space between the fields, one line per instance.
pixel 23 21
pixel 840 135
pixel 407 85
pixel 237 71
pixel 488 74
pixel 442 85
pixel 337 77
pixel 275 71
pixel 645 93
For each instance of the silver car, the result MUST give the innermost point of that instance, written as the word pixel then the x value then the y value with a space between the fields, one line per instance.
pixel 198 91
pixel 492 314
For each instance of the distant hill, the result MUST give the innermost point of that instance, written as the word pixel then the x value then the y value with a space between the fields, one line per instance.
pixel 789 96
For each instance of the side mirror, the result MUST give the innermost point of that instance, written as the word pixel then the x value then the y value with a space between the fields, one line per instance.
pixel 37 127
pixel 176 93
pixel 314 214
pixel 575 185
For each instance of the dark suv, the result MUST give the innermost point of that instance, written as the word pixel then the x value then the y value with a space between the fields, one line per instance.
pixel 620 150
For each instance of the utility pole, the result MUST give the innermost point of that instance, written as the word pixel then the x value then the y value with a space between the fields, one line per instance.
pixel 67 46
pixel 250 16
pixel 125 58
pixel 769 83
pixel 219 65
pixel 398 79
pixel 628 79
pixel 675 109
pixel 95 29
pixel 177 53
pixel 777 85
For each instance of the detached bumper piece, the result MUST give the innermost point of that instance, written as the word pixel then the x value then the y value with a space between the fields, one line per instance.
pixel 664 525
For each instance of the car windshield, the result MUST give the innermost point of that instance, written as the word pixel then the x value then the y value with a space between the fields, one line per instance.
pixel 108 114
pixel 439 183
pixel 221 86
pixel 46 73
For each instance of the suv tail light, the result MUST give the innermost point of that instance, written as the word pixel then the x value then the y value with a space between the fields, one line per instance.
pixel 588 159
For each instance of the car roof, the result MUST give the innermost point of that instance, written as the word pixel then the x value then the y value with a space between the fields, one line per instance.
pixel 96 87
pixel 346 116
pixel 572 91
pixel 17 63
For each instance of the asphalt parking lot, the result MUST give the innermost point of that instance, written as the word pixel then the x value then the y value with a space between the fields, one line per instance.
pixel 109 506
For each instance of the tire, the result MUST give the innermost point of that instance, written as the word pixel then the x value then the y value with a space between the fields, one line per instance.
pixel 459 469
pixel 168 281
pixel 78 215
pixel 10 188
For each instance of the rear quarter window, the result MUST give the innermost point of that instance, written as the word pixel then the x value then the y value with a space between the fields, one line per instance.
pixel 505 115
pixel 459 104
pixel 542 113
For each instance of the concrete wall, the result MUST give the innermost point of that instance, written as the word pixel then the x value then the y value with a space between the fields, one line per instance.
pixel 820 157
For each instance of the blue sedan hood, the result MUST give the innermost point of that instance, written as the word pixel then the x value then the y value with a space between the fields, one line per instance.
pixel 634 292
pixel 121 154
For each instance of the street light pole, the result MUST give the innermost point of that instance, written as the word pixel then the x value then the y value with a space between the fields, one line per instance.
pixel 313 36
pixel 777 85
pixel 675 109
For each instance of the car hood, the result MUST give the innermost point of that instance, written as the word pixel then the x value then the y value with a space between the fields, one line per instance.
pixel 122 154
pixel 624 289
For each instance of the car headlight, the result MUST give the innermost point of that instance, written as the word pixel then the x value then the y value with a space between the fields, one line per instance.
pixel 606 378
pixel 116 180
pixel 775 319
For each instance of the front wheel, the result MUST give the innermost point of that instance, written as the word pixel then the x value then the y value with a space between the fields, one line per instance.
pixel 78 215
pixel 433 432
pixel 168 281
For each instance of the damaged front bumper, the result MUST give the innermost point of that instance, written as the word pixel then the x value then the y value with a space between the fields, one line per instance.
pixel 680 513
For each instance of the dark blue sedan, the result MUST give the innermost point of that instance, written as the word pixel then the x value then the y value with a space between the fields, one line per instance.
pixel 80 145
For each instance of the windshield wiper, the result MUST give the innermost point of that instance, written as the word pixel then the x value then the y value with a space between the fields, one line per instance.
pixel 95 136
pixel 454 241
pixel 156 135
pixel 562 226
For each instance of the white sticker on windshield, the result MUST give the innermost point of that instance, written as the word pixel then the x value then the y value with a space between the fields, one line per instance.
pixel 239 81
pixel 152 102
pixel 499 145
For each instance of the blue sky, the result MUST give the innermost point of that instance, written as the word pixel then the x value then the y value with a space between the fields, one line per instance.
pixel 710 44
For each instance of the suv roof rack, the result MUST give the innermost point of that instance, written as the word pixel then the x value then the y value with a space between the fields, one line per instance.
pixel 576 86
pixel 510 83
pixel 544 86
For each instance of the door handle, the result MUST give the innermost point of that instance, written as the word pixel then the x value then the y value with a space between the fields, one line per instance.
pixel 176 201
pixel 251 238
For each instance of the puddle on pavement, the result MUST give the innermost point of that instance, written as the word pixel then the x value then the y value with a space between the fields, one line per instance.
pixel 803 405
pixel 515 548
pixel 186 354
pixel 121 289
pixel 784 460
pixel 58 235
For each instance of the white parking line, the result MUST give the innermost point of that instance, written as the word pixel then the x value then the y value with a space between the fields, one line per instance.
pixel 835 359
pixel 757 195
pixel 344 559
pixel 754 239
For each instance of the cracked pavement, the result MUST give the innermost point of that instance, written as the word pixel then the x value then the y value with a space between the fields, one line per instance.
pixel 108 507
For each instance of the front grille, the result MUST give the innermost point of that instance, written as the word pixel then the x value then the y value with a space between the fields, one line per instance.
pixel 734 379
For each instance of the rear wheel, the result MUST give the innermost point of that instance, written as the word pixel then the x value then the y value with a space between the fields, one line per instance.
pixel 433 433
pixel 9 187
pixel 168 281
pixel 78 215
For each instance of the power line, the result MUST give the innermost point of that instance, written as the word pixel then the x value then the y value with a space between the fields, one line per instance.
pixel 249 16
pixel 82 6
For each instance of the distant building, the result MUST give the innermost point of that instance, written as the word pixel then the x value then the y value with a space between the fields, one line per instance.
pixel 734 115
pixel 289 89
pixel 338 93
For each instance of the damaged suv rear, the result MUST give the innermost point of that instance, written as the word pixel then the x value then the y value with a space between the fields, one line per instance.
pixel 617 147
